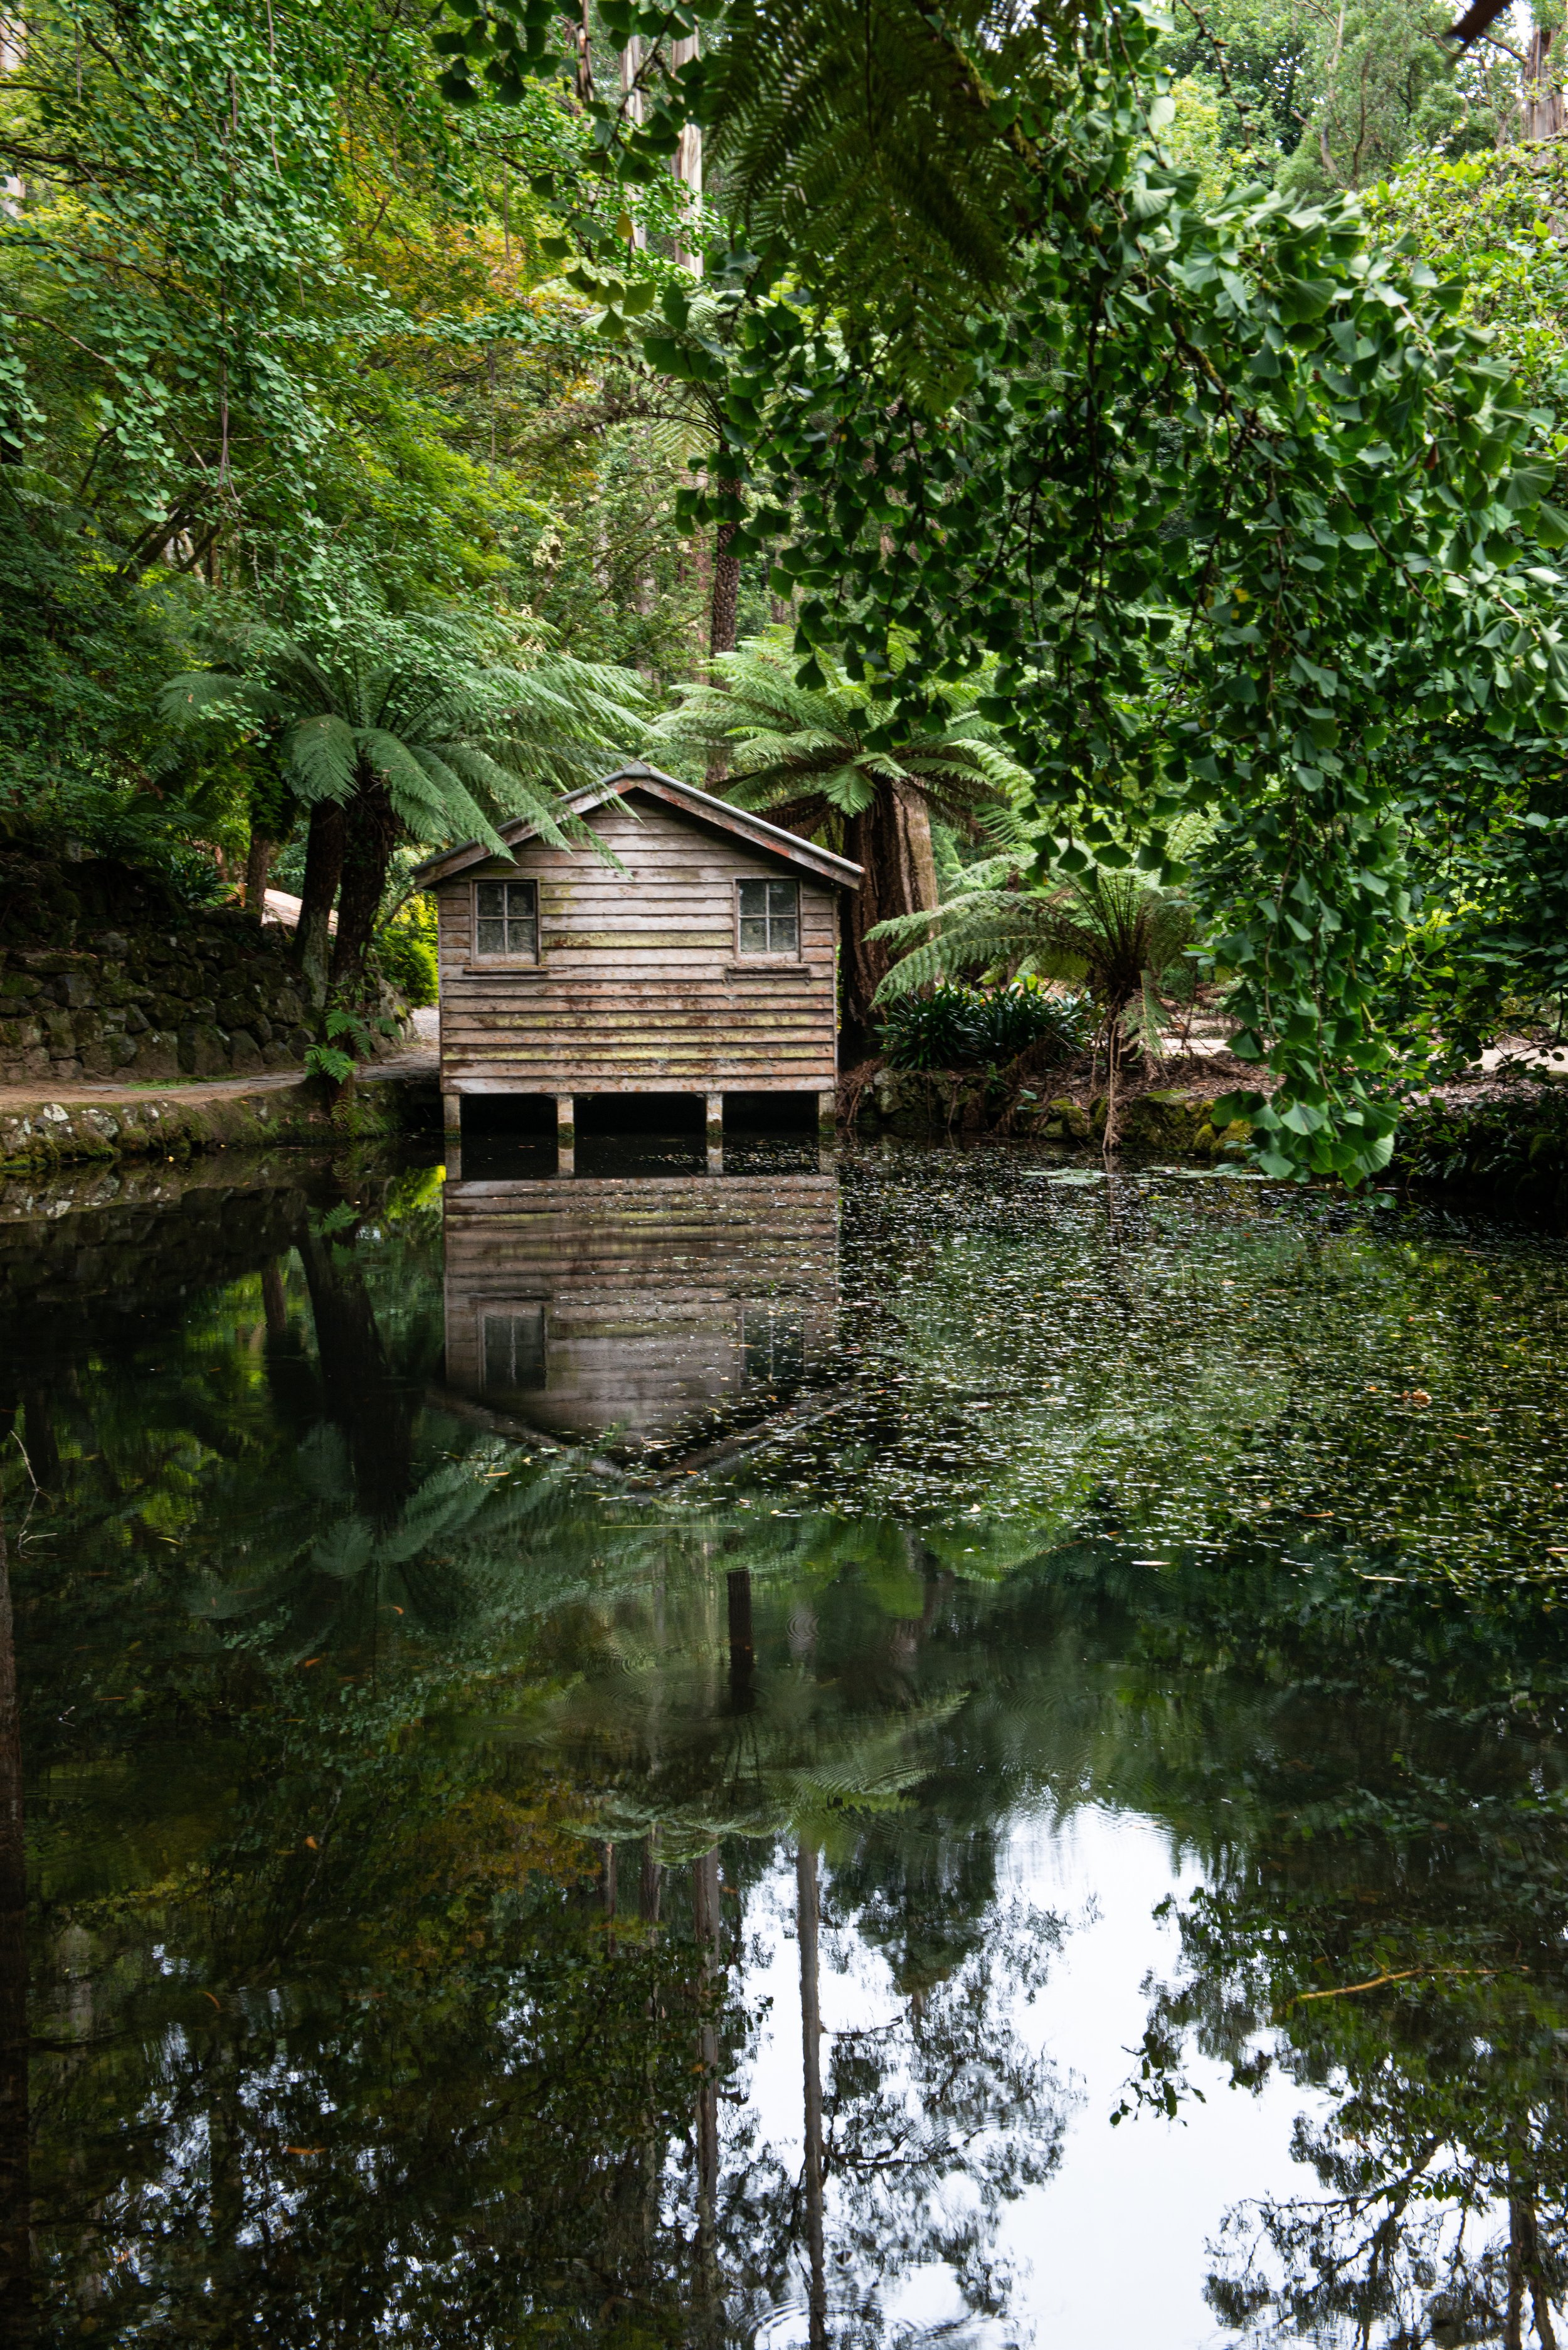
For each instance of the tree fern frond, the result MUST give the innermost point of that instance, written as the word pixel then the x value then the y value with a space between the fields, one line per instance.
pixel 321 752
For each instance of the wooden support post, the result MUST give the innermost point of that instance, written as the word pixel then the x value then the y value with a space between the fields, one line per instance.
pixel 826 1130
pixel 451 1113
pixel 715 1134
pixel 565 1137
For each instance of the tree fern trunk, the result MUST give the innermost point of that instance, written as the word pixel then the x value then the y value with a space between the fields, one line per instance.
pixel 892 840
pixel 372 833
pixel 323 870
pixel 259 865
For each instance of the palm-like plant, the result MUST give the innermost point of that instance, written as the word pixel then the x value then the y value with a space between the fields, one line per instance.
pixel 803 755
pixel 1125 942
pixel 428 728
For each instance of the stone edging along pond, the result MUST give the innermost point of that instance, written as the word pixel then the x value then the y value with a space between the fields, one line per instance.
pixel 1515 1143
pixel 45 1135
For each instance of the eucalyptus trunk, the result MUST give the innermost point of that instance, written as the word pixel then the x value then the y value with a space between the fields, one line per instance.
pixel 807 1919
pixel 891 840
pixel 723 608
pixel 324 848
pixel 1542 108
pixel 705 1918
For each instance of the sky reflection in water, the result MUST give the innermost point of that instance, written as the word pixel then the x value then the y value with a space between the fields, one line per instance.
pixel 465 1625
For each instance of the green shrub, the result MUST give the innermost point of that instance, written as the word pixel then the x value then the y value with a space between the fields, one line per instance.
pixel 1518 1147
pixel 404 950
pixel 958 1027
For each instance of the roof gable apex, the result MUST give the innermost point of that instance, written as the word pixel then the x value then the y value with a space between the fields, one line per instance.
pixel 699 806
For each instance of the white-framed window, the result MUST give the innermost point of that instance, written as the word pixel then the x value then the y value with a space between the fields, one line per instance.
pixel 512 1342
pixel 767 918
pixel 506 920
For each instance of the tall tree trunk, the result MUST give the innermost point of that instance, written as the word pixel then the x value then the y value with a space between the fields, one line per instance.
pixel 1524 2269
pixel 892 840
pixel 324 849
pixel 372 833
pixel 807 1922
pixel 687 165
pixel 1541 99
pixel 705 1920
pixel 15 2197
pixel 632 106
pixel 259 865
pixel 742 1655
pixel 724 605
pixel 650 1881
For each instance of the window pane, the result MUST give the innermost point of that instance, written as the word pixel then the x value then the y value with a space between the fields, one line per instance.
pixel 784 916
pixel 520 899
pixel 522 937
pixel 754 934
pixel 754 897
pixel 491 897
pixel 514 1351
pixel 492 937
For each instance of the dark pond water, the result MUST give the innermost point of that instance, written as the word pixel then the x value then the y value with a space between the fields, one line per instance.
pixel 951 1751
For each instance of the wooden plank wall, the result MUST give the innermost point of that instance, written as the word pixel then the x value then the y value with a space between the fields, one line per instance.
pixel 639 986
pixel 657 1295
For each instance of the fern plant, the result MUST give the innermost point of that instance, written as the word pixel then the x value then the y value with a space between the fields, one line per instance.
pixel 952 1026
pixel 805 757
pixel 1125 941
pixel 425 728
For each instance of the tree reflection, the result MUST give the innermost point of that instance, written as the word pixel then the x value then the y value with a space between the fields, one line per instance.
pixel 1386 1923
pixel 15 2192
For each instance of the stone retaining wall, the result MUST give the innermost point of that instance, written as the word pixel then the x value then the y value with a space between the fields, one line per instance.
pixel 214 998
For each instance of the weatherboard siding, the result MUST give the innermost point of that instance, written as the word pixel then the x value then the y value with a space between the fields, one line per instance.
pixel 656 1297
pixel 639 985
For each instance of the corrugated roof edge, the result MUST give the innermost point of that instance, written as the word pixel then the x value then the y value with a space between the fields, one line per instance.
pixel 703 805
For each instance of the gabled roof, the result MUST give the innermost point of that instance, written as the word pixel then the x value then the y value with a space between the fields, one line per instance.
pixel 685 798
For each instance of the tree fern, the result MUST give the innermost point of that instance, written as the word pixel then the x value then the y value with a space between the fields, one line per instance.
pixel 1127 943
pixel 803 756
pixel 424 728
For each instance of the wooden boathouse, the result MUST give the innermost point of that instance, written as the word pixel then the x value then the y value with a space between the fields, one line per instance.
pixel 701 964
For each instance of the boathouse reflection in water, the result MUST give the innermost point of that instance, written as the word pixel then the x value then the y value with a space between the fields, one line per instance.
pixel 653 1306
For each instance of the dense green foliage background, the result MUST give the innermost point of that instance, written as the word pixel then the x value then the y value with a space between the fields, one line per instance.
pixel 1178 404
